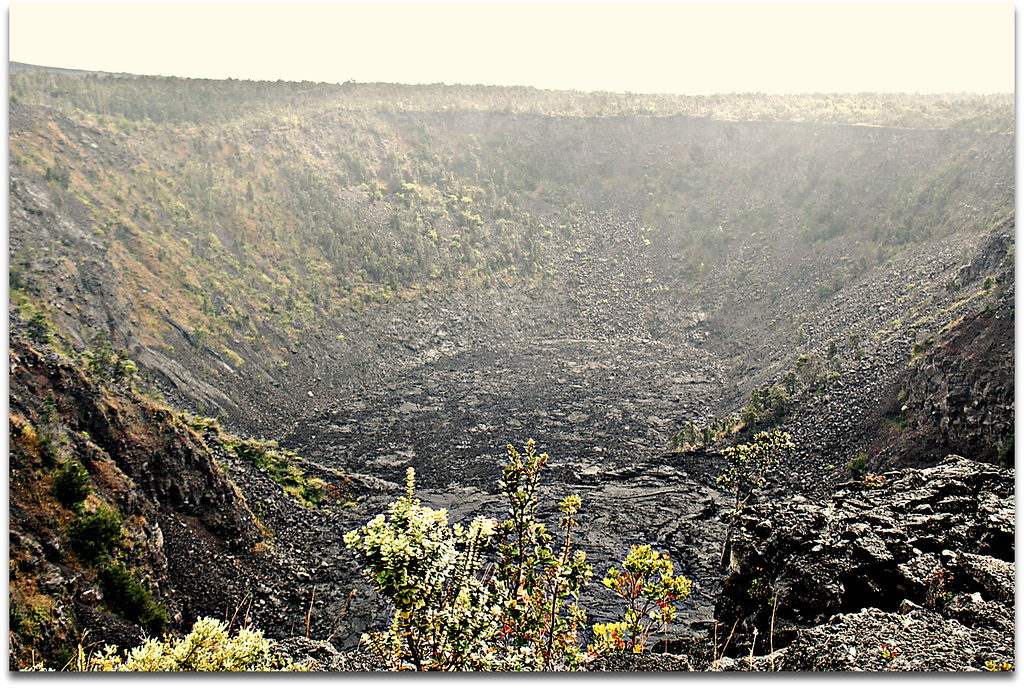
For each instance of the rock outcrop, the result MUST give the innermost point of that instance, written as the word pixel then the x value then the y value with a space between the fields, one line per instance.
pixel 917 559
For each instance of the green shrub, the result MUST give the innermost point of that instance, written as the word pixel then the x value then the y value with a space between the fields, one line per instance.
pixel 749 464
pixel 129 598
pixel 449 615
pixel 94 537
pixel 648 587
pixel 208 647
pixel 858 466
pixel 71 484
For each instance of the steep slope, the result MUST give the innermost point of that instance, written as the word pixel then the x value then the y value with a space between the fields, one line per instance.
pixel 163 522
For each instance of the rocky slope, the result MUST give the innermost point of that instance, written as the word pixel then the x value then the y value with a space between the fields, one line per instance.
pixel 204 532
pixel 911 572
pixel 920 560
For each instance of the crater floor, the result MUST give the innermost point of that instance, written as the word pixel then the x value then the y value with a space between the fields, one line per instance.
pixel 603 410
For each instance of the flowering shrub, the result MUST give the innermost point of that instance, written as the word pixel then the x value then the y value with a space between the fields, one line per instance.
pixel 649 588
pixel 520 613
pixel 429 572
pixel 208 647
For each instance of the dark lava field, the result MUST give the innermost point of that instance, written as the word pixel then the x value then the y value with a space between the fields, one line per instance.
pixel 604 410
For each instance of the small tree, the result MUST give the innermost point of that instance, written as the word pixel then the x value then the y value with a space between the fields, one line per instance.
pixel 749 464
pixel 649 589
pixel 71 484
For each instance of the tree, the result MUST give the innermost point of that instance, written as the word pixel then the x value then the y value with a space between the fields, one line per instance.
pixel 749 464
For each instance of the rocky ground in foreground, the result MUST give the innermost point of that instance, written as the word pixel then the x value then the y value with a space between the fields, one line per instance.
pixel 913 572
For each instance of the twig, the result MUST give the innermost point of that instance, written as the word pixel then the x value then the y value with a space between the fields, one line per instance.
pixel 237 609
pixel 247 610
pixel 771 638
pixel 343 611
pixel 729 639
pixel 310 612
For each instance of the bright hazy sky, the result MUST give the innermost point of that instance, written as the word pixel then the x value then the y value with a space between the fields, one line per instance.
pixel 698 48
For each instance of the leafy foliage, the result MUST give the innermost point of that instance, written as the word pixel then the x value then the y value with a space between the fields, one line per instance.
pixel 131 599
pixel 208 647
pixel 71 484
pixel 748 464
pixel 647 584
pixel 107 364
pixel 428 570
pixel 451 615
pixel 93 537
pixel 858 466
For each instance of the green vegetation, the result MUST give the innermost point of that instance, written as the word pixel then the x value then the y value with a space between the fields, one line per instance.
pixel 129 598
pixel 648 587
pixel 106 364
pixel 450 615
pixel 768 405
pixel 749 464
pixel 858 466
pixel 94 537
pixel 1006 457
pixel 188 101
pixel 280 465
pixel 270 212
pixel 207 647
pixel 71 484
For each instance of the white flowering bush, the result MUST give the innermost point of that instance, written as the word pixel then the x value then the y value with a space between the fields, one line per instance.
pixel 429 571
pixel 208 647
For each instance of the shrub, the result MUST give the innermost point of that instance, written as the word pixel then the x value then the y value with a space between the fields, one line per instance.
pixel 858 466
pixel 39 328
pixel 131 599
pixel 449 616
pixel 649 588
pixel 95 536
pixel 748 464
pixel 71 484
pixel 534 581
pixel 208 647
pixel 428 572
